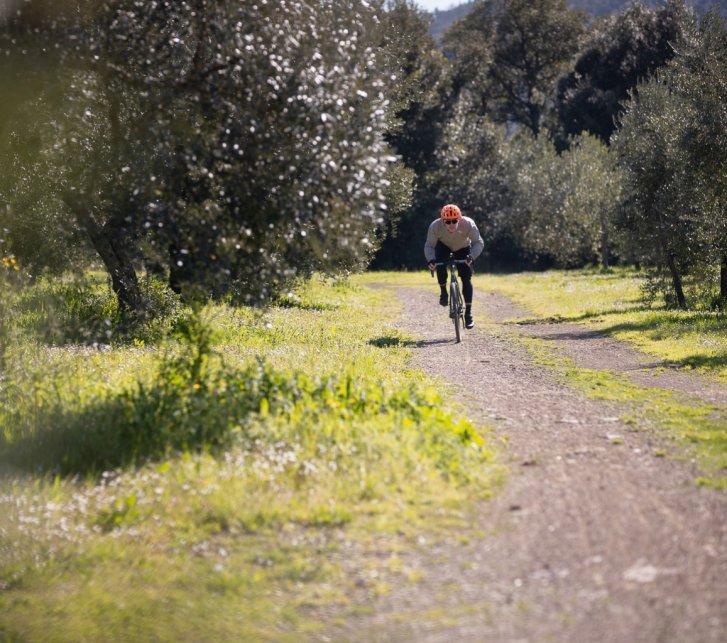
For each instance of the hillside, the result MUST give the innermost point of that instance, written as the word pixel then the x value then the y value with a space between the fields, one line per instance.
pixel 605 7
pixel 443 19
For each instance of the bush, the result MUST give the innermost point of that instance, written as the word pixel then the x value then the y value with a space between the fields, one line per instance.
pixel 84 310
pixel 198 404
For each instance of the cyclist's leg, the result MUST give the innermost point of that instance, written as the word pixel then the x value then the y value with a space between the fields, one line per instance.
pixel 465 274
pixel 441 253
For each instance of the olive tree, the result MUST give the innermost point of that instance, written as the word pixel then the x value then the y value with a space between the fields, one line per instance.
pixel 699 73
pixel 420 100
pixel 534 43
pixel 233 145
pixel 648 145
pixel 476 173
pixel 671 143
pixel 508 54
pixel 565 203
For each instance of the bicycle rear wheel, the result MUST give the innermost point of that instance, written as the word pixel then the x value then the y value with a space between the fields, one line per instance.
pixel 454 309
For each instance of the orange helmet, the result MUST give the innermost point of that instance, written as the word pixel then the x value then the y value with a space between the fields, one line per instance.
pixel 451 212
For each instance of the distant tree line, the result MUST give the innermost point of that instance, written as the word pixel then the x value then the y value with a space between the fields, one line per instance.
pixel 572 141
pixel 609 7
pixel 232 148
pixel 443 19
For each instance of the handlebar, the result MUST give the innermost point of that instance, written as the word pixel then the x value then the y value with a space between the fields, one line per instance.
pixel 450 262
pixel 446 263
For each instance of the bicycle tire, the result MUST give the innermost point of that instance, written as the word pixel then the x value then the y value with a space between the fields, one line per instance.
pixel 455 309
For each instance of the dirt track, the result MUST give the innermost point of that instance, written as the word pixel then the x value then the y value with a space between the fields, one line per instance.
pixel 593 537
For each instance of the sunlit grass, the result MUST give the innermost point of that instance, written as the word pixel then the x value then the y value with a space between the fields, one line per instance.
pixel 245 539
pixel 257 536
pixel 612 302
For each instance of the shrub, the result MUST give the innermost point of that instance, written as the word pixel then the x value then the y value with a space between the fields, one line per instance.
pixel 199 404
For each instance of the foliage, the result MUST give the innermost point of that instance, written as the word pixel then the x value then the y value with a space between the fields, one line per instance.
pixel 476 172
pixel 672 144
pixel 10 275
pixel 420 102
pixel 469 44
pixel 283 441
pixel 257 145
pixel 699 74
pixel 534 41
pixel 188 409
pixel 621 51
pixel 523 194
pixel 603 7
pixel 420 95
pixel 457 150
pixel 81 309
pixel 508 55
pixel 246 151
pixel 565 204
pixel 442 20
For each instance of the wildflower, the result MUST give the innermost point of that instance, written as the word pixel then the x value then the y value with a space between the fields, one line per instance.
pixel 10 263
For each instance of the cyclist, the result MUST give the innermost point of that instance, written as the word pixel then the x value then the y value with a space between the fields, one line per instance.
pixel 453 233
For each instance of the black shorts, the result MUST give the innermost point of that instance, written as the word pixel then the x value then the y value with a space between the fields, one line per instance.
pixel 442 252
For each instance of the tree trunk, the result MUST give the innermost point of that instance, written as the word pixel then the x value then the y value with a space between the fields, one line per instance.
pixel 676 280
pixel 604 243
pixel 178 271
pixel 124 280
pixel 108 243
pixel 723 279
pixel 535 115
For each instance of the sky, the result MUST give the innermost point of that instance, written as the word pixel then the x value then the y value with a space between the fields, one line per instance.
pixel 441 5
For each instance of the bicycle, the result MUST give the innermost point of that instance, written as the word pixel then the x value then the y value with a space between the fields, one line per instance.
pixel 456 303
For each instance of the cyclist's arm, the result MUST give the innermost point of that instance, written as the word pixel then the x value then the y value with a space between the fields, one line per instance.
pixel 431 241
pixel 478 245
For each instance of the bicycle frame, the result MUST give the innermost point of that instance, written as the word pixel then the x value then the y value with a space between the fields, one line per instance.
pixel 456 304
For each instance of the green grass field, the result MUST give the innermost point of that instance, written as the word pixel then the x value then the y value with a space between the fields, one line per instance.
pixel 221 485
pixel 240 472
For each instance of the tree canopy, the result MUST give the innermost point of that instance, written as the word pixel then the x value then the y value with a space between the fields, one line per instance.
pixel 233 148
pixel 621 51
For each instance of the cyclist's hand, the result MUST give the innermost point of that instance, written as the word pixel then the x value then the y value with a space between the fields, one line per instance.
pixel 469 260
pixel 432 265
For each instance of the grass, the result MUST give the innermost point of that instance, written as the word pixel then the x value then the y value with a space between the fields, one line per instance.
pixel 612 303
pixel 265 455
pixel 277 465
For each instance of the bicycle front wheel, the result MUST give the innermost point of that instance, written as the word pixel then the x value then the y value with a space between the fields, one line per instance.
pixel 454 310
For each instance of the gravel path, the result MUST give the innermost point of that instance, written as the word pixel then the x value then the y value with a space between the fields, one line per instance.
pixel 592 538
pixel 591 349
